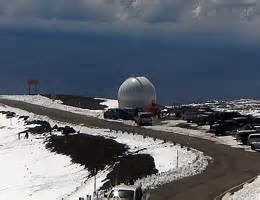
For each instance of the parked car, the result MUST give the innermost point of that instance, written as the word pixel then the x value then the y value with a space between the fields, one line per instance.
pixel 189 116
pixel 112 114
pixel 254 141
pixel 223 127
pixel 130 113
pixel 201 119
pixel 256 121
pixel 242 121
pixel 219 117
pixel 125 192
pixel 243 135
pixel 227 126
pixel 257 128
pixel 144 119
pixel 117 113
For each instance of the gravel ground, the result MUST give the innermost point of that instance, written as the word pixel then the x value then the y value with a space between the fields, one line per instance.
pixel 230 166
pixel 80 102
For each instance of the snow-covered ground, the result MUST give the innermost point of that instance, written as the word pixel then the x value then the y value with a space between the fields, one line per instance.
pixel 164 154
pixel 57 104
pixel 29 171
pixel 249 191
pixel 243 106
pixel 110 103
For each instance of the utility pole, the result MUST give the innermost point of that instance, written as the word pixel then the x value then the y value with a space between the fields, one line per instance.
pixel 177 163
pixel 32 83
pixel 95 184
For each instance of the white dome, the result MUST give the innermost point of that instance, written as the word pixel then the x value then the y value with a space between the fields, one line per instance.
pixel 136 92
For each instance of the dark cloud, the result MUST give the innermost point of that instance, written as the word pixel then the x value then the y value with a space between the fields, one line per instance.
pixel 190 49
pixel 149 11
pixel 95 65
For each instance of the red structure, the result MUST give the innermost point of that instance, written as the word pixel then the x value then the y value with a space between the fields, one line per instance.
pixel 32 84
pixel 155 109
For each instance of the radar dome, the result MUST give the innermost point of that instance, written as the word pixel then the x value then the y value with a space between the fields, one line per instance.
pixel 136 92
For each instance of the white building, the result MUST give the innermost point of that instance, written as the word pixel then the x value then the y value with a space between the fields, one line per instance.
pixel 137 92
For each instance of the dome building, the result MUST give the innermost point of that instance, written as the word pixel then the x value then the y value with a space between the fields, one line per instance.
pixel 136 92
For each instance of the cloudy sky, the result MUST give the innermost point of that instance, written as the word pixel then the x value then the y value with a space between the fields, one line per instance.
pixel 190 49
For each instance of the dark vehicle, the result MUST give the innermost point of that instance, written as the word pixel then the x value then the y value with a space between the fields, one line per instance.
pixel 243 135
pixel 144 119
pixel 218 117
pixel 254 141
pixel 201 119
pixel 189 116
pixel 125 114
pixel 224 127
pixel 130 113
pixel 256 121
pixel 242 121
pixel 112 114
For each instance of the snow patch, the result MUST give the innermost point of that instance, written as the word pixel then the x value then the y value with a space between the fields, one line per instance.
pixel 110 103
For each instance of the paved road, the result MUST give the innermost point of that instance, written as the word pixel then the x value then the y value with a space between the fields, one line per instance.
pixel 230 166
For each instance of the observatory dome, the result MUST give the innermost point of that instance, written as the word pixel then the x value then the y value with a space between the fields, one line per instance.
pixel 136 92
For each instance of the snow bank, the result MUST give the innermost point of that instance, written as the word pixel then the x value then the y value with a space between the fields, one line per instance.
pixel 110 103
pixel 250 191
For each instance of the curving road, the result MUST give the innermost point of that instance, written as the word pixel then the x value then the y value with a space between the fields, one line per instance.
pixel 229 168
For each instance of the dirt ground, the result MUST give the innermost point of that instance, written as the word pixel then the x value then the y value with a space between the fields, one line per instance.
pixel 81 102
pixel 229 168
pixel 80 148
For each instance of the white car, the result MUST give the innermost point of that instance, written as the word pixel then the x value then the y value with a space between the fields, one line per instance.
pixel 254 141
pixel 125 192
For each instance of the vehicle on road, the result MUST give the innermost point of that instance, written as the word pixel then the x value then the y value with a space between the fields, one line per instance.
pixel 144 119
pixel 111 114
pixel 125 114
pixel 126 192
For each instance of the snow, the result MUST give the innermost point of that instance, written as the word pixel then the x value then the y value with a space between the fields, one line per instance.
pixel 29 171
pixel 243 106
pixel 249 191
pixel 49 103
pixel 110 103
pixel 42 174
